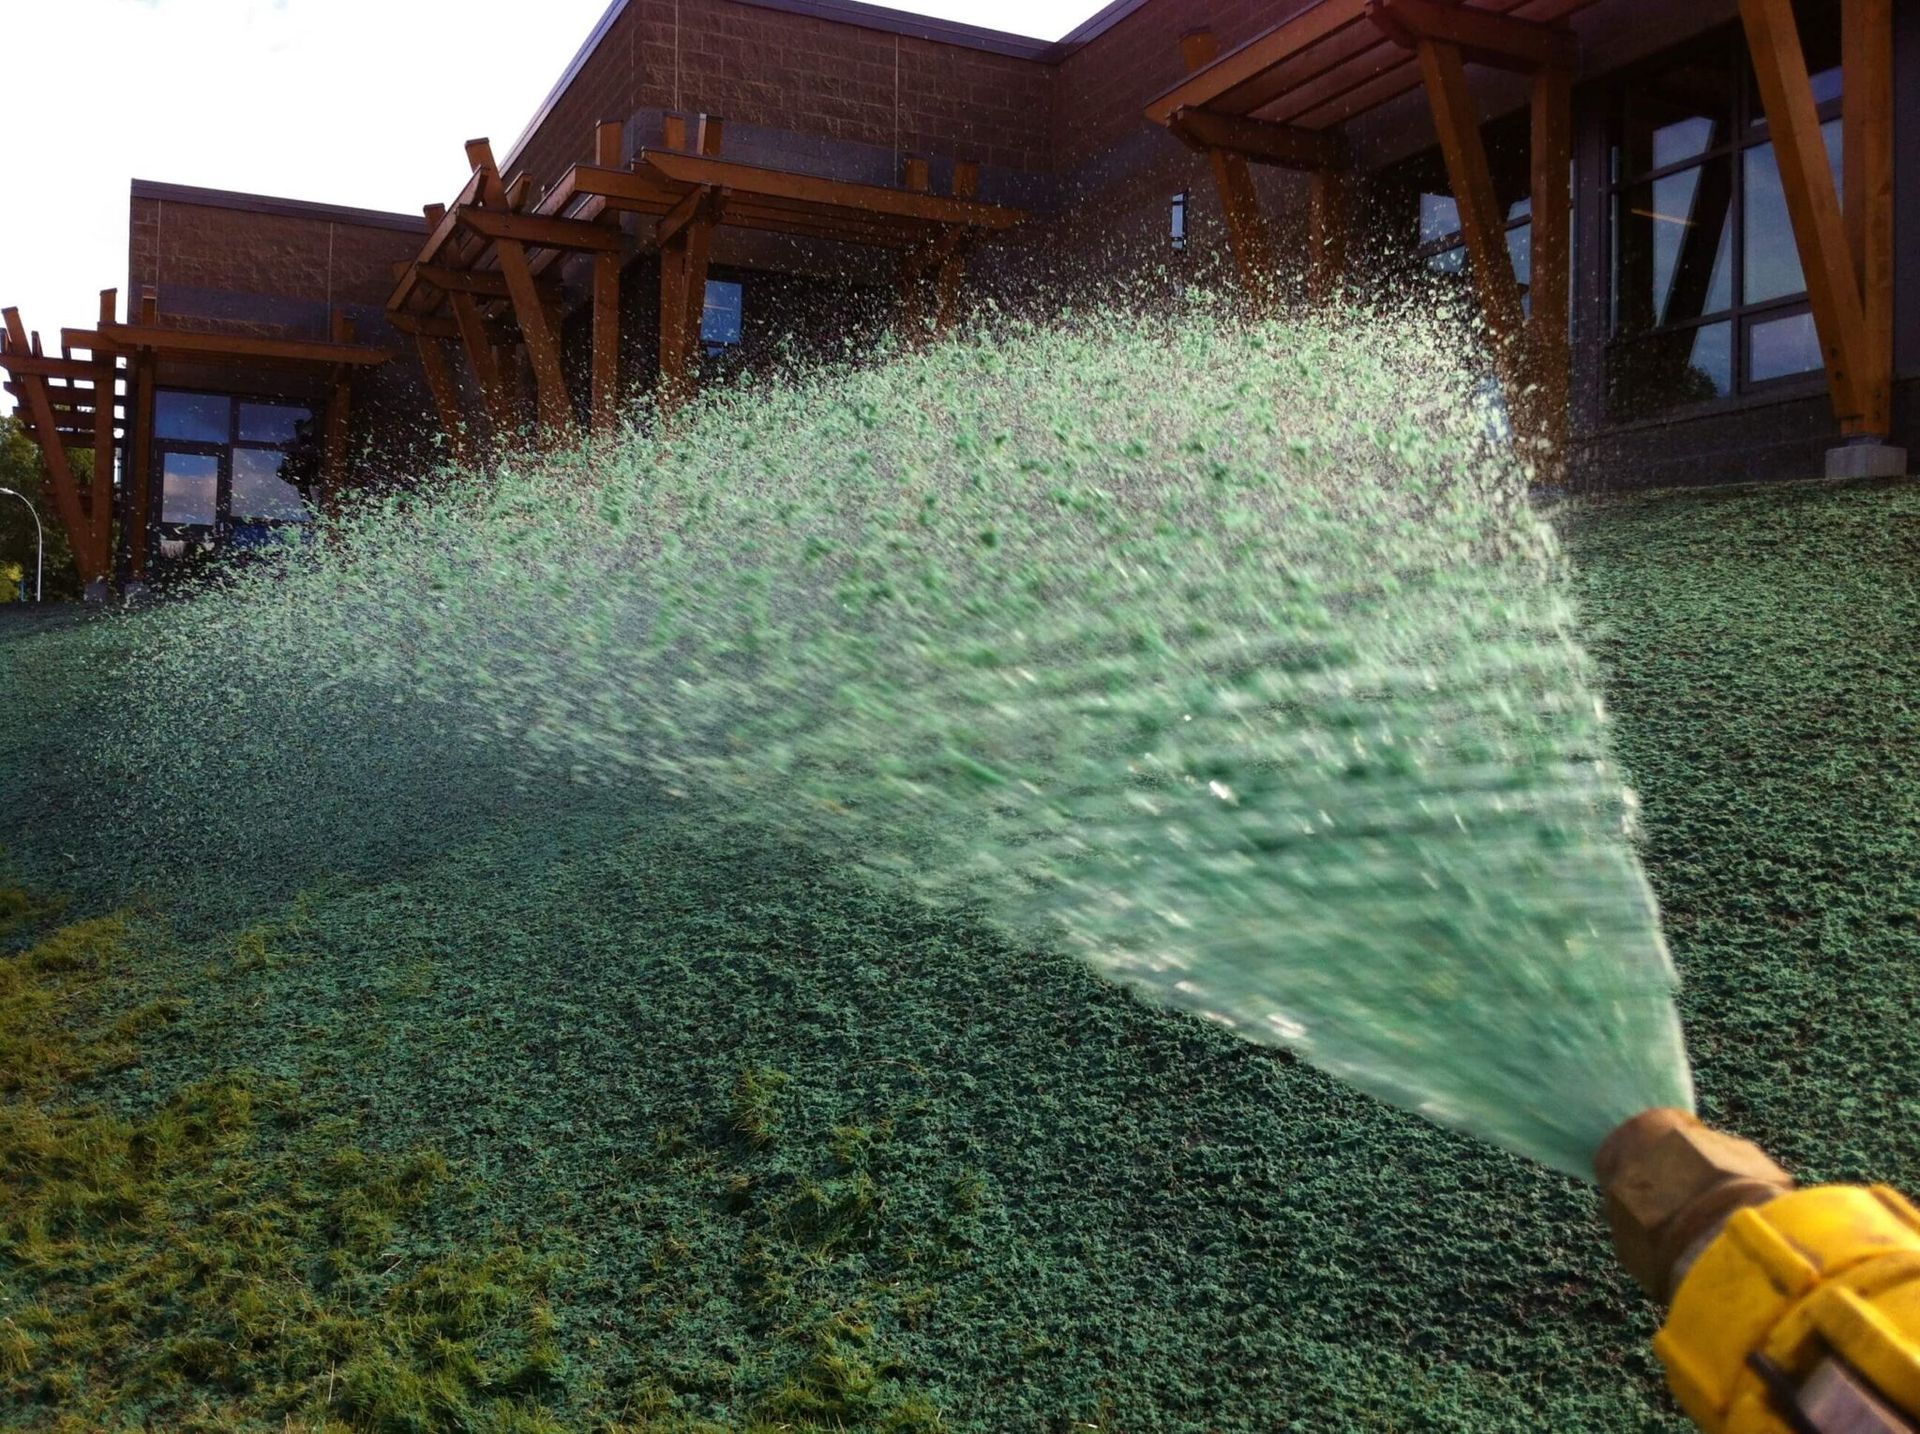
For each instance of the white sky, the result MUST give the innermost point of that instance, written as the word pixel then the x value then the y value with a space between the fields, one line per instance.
pixel 361 102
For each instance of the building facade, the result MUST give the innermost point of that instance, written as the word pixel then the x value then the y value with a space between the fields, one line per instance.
pixel 856 157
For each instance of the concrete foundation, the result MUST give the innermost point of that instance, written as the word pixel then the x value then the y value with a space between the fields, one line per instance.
pixel 1869 459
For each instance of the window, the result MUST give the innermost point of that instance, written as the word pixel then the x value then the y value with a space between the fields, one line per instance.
pixel 1177 222
pixel 720 318
pixel 228 468
pixel 1708 298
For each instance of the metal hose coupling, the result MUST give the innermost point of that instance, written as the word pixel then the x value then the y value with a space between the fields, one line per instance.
pixel 1790 1310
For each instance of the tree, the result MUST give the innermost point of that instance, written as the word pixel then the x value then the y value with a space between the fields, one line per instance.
pixel 22 471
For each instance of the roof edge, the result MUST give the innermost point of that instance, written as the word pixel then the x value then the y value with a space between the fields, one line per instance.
pixel 274 204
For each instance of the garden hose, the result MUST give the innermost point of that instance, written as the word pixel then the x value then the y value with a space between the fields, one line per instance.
pixel 1790 1310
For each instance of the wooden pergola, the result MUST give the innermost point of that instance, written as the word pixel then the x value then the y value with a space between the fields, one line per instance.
pixel 482 277
pixel 1282 98
pixel 74 403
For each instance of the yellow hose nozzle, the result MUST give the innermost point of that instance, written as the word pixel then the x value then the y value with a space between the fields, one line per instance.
pixel 1791 1310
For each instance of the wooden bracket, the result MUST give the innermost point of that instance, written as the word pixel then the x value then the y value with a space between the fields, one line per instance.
pixel 1483 36
pixel 1239 203
pixel 1263 141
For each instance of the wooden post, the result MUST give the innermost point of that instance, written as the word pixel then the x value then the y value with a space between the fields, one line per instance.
pixel 140 462
pixel 683 289
pixel 673 132
pixel 1813 205
pixel 501 408
pixel 446 396
pixel 609 140
pixel 1866 117
pixel 537 331
pixel 1327 219
pixel 1239 201
pixel 333 459
pixel 606 342
pixel 1482 224
pixel 916 175
pixel 712 132
pixel 100 491
pixel 1549 349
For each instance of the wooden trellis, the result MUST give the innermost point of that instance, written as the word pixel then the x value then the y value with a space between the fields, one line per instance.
pixel 481 277
pixel 1282 97
pixel 74 403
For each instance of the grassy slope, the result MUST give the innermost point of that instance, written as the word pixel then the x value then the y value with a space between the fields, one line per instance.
pixel 774 1146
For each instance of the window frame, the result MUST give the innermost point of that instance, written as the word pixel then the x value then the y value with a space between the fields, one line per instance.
pixel 1747 129
pixel 225 521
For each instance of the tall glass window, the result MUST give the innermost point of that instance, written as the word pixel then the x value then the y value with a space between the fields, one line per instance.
pixel 1708 298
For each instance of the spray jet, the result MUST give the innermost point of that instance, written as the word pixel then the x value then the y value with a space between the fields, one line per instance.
pixel 1790 1310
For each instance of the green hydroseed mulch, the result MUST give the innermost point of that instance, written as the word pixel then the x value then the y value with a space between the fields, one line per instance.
pixel 586 1119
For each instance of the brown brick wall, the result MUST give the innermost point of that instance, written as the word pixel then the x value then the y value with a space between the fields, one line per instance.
pixel 797 72
pixel 208 262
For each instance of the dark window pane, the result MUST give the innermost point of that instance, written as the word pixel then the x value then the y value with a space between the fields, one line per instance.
pixel 1677 114
pixel 1439 217
pixel 1673 251
pixel 198 417
pixel 271 422
pixel 1772 259
pixel 1647 375
pixel 1779 347
pixel 189 487
pixel 720 318
pixel 259 490
pixel 1448 261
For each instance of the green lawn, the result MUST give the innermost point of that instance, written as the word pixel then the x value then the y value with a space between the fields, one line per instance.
pixel 546 1113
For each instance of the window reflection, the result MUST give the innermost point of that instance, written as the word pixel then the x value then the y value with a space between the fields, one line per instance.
pixel 260 491
pixel 1673 247
pixel 1677 114
pixel 1670 370
pixel 195 417
pixel 271 422
pixel 1770 256
pixel 189 488
pixel 1779 348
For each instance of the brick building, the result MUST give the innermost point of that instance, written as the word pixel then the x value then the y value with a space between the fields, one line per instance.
pixel 1693 351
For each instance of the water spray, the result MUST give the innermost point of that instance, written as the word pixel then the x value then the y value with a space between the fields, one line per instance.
pixel 1233 660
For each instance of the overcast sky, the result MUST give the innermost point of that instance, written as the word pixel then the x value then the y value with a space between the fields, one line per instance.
pixel 361 102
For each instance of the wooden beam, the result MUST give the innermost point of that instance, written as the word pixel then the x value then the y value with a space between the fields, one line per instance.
pixel 683 287
pixel 712 136
pixel 539 231
pixel 1549 348
pixel 609 143
pixel 45 430
pixel 605 396
pixel 446 394
pixel 1482 223
pixel 1239 202
pixel 1260 140
pixel 501 409
pixel 1215 77
pixel 673 131
pixel 916 175
pixel 691 205
pixel 185 341
pixel 1483 36
pixel 542 338
pixel 1813 204
pixel 1866 117
pixel 1329 202
pixel 966 179
pixel 100 492
pixel 751 180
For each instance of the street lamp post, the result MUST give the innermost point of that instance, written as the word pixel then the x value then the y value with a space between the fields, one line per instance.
pixel 39 540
